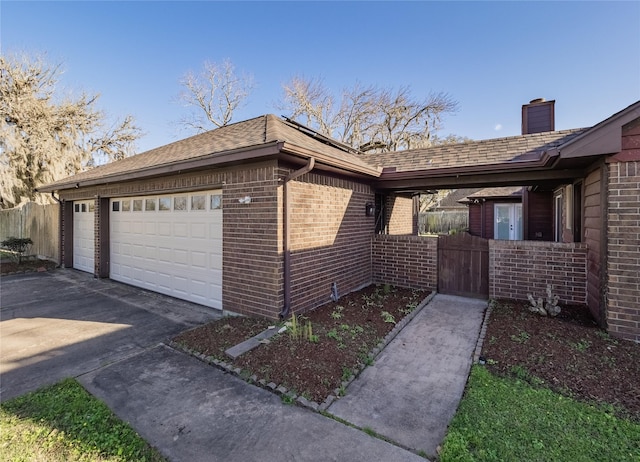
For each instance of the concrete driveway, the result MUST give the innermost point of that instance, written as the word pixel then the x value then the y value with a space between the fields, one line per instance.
pixel 110 336
pixel 66 323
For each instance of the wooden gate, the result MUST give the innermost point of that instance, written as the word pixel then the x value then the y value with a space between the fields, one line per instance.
pixel 463 265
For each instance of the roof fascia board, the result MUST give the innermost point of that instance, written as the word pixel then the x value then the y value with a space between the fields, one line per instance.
pixel 332 161
pixel 506 178
pixel 603 138
pixel 211 160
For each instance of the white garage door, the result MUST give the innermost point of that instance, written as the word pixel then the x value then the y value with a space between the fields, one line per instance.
pixel 170 244
pixel 83 235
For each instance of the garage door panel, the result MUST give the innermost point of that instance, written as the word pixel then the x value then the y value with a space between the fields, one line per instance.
pixel 165 255
pixel 199 230
pixel 83 236
pixel 164 229
pixel 180 230
pixel 178 251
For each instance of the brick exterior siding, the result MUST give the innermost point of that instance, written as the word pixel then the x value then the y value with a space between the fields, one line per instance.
pixel 623 238
pixel 400 215
pixel 252 251
pixel 330 238
pixel 405 261
pixel 517 268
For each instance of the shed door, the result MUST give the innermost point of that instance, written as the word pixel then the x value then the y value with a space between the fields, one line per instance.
pixel 83 235
pixel 170 244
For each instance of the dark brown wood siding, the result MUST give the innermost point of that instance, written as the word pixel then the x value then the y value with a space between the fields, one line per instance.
pixel 593 239
pixel 540 216
pixel 475 220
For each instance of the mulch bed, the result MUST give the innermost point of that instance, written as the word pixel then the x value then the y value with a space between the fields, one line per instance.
pixel 343 334
pixel 568 353
pixel 26 266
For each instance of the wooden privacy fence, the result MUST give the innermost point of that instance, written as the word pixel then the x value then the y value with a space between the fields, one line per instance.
pixel 35 221
pixel 443 222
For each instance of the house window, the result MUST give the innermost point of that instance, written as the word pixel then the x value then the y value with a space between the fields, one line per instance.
pixel 216 201
pixel 508 222
pixel 115 206
pixel 137 205
pixel 557 221
pixel 92 206
pixel 76 207
pixel 126 206
pixel 164 203
pixel 198 202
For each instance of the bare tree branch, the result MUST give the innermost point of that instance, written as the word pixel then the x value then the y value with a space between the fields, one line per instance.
pixel 214 95
pixel 369 119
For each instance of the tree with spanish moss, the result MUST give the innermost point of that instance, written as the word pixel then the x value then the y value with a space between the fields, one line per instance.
pixel 45 134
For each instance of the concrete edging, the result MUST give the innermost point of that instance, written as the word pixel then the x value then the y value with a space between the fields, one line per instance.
pixel 483 332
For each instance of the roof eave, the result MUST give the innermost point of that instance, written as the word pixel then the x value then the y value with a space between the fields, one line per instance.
pixel 330 161
pixel 211 160
pixel 520 173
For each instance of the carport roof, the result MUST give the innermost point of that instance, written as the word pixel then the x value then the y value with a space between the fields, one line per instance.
pixel 263 136
pixel 510 150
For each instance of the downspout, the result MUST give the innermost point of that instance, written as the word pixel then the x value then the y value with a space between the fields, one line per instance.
pixel 60 219
pixel 287 233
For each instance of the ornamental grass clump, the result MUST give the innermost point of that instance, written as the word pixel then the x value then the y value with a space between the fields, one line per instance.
pixel 550 307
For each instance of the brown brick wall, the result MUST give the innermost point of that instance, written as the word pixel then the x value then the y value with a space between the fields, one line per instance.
pixel 252 254
pixel 405 261
pixel 623 238
pixel 400 215
pixel 517 268
pixel 330 238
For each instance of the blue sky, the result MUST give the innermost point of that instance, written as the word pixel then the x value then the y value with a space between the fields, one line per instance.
pixel 491 57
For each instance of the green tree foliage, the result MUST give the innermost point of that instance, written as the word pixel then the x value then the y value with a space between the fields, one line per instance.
pixel 45 135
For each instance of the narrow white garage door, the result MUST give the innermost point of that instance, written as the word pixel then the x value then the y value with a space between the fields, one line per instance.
pixel 170 244
pixel 83 235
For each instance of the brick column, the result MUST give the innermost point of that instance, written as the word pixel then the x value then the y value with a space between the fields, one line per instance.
pixel 623 237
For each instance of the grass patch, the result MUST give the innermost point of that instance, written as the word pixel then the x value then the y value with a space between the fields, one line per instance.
pixel 63 422
pixel 507 419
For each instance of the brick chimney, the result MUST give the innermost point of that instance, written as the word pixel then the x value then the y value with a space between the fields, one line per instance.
pixel 538 116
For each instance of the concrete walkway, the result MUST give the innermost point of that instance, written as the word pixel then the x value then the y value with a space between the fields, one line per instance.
pixel 194 412
pixel 413 390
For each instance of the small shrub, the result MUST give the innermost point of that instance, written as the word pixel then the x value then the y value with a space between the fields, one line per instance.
pixel 388 317
pixel 337 312
pixel 17 245
pixel 550 308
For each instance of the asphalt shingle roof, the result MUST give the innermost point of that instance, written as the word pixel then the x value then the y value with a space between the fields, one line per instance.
pixel 248 134
pixel 486 152
pixel 502 191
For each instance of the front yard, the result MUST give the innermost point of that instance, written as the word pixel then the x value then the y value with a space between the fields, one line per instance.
pixel 551 389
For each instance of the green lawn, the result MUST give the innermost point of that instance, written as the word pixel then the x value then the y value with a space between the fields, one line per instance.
pixel 508 420
pixel 65 423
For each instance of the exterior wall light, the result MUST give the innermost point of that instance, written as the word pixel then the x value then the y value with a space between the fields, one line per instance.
pixel 369 209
